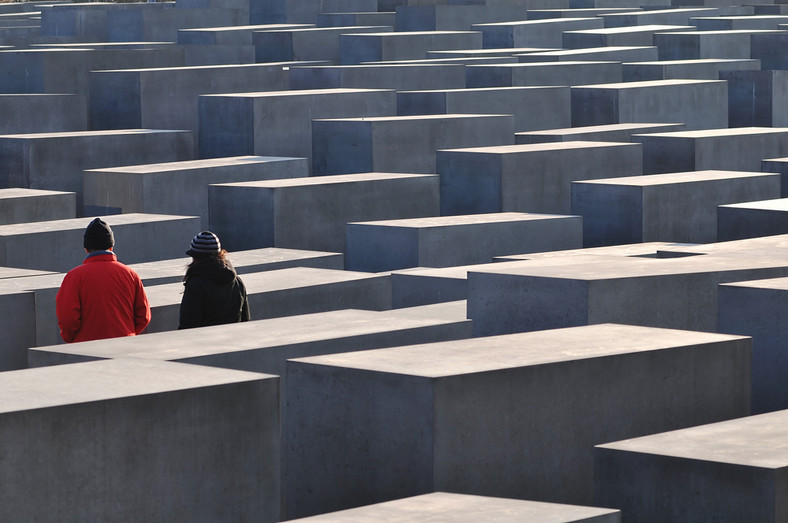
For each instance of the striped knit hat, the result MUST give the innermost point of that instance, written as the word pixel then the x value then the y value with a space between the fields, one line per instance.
pixel 205 243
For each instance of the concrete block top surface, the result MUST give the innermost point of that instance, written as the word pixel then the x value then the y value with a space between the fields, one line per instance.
pixel 213 67
pixel 189 165
pixel 537 147
pixel 713 133
pixel 405 34
pixel 468 219
pixel 298 92
pixel 86 134
pixel 649 84
pixel 333 29
pixel 505 51
pixel 634 29
pixel 13 274
pixel 777 204
pixel 537 23
pixel 492 353
pixel 727 32
pixel 114 220
pixel 59 385
pixel 259 334
pixel 263 27
pixel 464 508
pixel 488 89
pixel 773 284
pixel 417 117
pixel 649 180
pixel 325 180
pixel 601 128
pixel 20 192
pixel 266 281
pixel 564 63
pixel 755 441
pixel 697 61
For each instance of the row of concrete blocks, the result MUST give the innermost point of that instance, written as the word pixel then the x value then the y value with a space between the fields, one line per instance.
pixel 423 417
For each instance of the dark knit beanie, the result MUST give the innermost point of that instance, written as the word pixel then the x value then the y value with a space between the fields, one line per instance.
pixel 205 243
pixel 98 236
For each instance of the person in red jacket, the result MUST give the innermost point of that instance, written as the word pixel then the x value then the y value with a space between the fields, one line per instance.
pixel 102 298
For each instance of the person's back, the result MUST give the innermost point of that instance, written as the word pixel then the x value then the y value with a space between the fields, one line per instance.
pixel 102 298
pixel 213 293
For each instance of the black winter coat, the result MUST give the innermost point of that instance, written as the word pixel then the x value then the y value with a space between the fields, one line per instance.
pixel 213 295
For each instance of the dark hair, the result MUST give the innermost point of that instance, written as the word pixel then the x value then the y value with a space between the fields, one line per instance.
pixel 214 257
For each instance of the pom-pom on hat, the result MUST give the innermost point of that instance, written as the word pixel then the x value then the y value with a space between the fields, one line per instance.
pixel 98 236
pixel 205 243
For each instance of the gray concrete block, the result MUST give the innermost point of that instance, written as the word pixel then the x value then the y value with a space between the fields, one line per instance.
pixel 452 17
pixel 621 132
pixel 757 98
pixel 610 53
pixel 67 69
pixel 401 76
pixel 737 149
pixel 689 45
pixel 135 98
pixel 284 292
pixel 279 123
pixel 541 14
pixel 463 508
pixel 35 113
pixel 752 219
pixel 734 23
pixel 138 238
pixel 55 161
pixel 178 187
pixel 310 43
pixel 533 33
pixel 376 47
pixel 162 25
pixel 665 101
pixel 504 51
pixel 423 416
pixel 730 471
pixel 638 35
pixel 543 73
pixel 311 213
pixel 349 19
pixel 768 48
pixel 757 309
pixel 777 165
pixel 681 16
pixel 532 107
pixel 194 423
pixel 700 69
pixel 401 143
pixel 456 240
pixel 527 178
pixel 552 293
pixel 673 207
pixel 229 35
pixel 34 205
pixel 265 345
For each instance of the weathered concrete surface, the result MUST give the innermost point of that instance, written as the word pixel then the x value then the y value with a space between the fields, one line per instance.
pixel 193 422
pixel 619 132
pixel 424 415
pixel 729 471
pixel 737 221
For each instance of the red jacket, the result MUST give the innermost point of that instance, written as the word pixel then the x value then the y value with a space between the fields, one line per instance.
pixel 102 298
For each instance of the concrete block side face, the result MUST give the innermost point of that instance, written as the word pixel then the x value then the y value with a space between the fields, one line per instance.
pixel 412 103
pixel 15 163
pixel 342 147
pixel 505 304
pixel 750 96
pixel 674 46
pixel 219 445
pixel 698 106
pixel 735 223
pixel 377 249
pixel 688 212
pixel 357 48
pixel 226 127
pixel 254 207
pixel 489 424
pixel 655 488
pixel 315 217
pixel 371 434
pixel 115 101
pixel 470 183
pixel 667 154
pixel 18 321
pixel 485 76
pixel 594 106
pixel 769 49
pixel 756 312
pixel 412 291
pixel 612 215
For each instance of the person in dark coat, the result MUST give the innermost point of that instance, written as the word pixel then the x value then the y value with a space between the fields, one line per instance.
pixel 213 293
